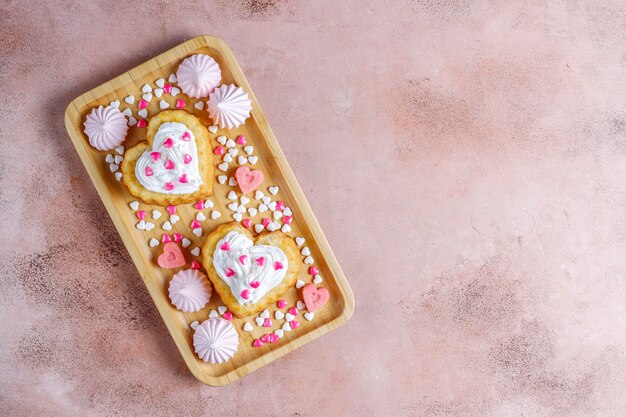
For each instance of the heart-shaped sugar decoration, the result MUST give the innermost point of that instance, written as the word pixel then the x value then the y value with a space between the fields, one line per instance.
pixel 172 256
pixel 247 179
pixel 314 298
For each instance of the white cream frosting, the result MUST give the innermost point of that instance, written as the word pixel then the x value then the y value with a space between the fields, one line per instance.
pixel 266 275
pixel 154 175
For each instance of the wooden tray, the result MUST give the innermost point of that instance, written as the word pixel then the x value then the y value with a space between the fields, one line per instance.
pixel 274 165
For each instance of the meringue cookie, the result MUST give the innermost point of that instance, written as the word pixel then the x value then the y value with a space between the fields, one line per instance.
pixel 189 290
pixel 198 75
pixel 106 128
pixel 215 340
pixel 229 106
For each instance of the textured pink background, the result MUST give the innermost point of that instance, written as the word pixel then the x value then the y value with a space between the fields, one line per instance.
pixel 467 161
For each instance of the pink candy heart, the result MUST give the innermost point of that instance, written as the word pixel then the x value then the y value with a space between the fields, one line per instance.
pixel 195 264
pixel 255 284
pixel 142 104
pixel 260 261
pixel 187 158
pixel 195 224
pixel 219 150
pixel 180 103
pixel 172 256
pixel 198 205
pixel 169 186
pixel 149 172
pixel 257 343
pixel 142 123
pixel 241 140
pixel 171 209
pixel 247 179
pixel 155 156
pixel 314 298
pixel 183 179
pixel 246 223
pixel 169 164
pixel 178 237
pixel 228 315
pixel 281 303
pixel 169 142
pixel 168 88
pixel 313 271
pixel 166 238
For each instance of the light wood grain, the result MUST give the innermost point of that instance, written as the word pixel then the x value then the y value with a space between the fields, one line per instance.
pixel 277 171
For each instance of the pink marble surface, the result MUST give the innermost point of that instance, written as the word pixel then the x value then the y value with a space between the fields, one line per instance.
pixel 465 159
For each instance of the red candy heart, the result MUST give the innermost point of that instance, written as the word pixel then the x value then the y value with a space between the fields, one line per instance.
pixel 314 298
pixel 248 180
pixel 172 256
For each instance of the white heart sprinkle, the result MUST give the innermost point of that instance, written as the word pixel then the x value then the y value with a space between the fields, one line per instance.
pixel 222 179
pixel 230 143
pixel 318 279
pixel 154 243
pixel 167 226
pixel 227 158
pixel 221 140
pixel 286 327
pixel 259 321
pixel 114 167
pixel 277 215
pixel 272 205
pixel 141 225
pixel 253 159
pixel 134 205
pixel 158 92
pixel 118 159
pixel 149 226
pixel 247 327
pixel 305 251
pixel 233 151
pixel 109 159
pixel 233 206
pixel 175 91
pixel 252 211
pixel 199 105
pixel 309 316
pixel 271 227
pixel 164 105
pixel 127 112
pixel 241 209
pixel 213 129
pixel 299 284
pixel 143 113
pixel 208 203
pixel 174 218
pixel 300 240
pixel 248 149
pixel 279 333
pixel 222 309
pixel 186 242
pixel 132 121
pixel 244 199
pixel 172 78
pixel 232 181
pixel 215 214
pixel 213 314
pixel 200 217
pixel 223 166
pixel 238 217
pixel 274 190
pixel 146 88
pixel 115 103
pixel 279 315
pixel 130 99
pixel 258 194
pixel 156 214
pixel 195 251
pixel 118 176
pixel 289 317
pixel 286 228
pixel 267 199
pixel 262 208
pixel 287 211
pixel 242 160
pixel 300 305
pixel 120 150
pixel 258 228
pixel 160 82
pixel 232 195
pixel 197 231
pixel 147 97
pixel 194 325
pixel 265 314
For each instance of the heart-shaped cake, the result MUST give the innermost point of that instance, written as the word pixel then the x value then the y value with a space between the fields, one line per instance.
pixel 175 165
pixel 250 273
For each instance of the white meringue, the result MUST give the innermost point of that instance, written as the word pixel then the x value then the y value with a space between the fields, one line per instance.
pixel 198 75
pixel 229 106
pixel 215 340
pixel 189 290
pixel 106 128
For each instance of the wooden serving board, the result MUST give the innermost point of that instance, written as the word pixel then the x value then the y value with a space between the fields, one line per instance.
pixel 277 172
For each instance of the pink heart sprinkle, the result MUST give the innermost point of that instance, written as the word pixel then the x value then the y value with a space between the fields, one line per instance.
pixel 141 214
pixel 178 237
pixel 293 311
pixel 183 179
pixel 186 136
pixel 243 259
pixel 166 238
pixel 198 205
pixel 287 219
pixel 229 273
pixel 313 271
pixel 228 315
pixel 169 142
pixel 267 322
pixel 180 104
pixel 195 224
pixel 266 221
pixel 245 294
pixel 168 88
pixel 155 156
pixel 260 261
pixel 142 104
pixel 273 338
pixel 171 209
pixel 278 265
pixel 149 172
pixel 281 303
pixel 265 338
pixel 169 164
pixel 247 223
pixel 241 140
pixel 255 284
pixel 219 150
pixel 195 264
pixel 142 123
pixel 294 324
pixel 257 343
pixel 280 205
pixel 187 158
pixel 169 186
pixel 225 246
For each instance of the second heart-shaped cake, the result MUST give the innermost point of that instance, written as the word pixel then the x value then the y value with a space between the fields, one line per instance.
pixel 175 165
pixel 250 273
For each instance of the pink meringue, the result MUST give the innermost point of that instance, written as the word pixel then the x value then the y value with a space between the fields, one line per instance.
pixel 189 290
pixel 106 128
pixel 215 340
pixel 198 75
pixel 229 106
